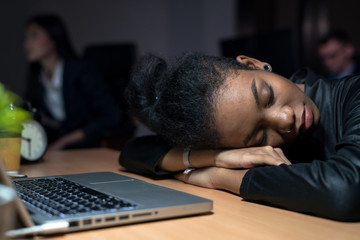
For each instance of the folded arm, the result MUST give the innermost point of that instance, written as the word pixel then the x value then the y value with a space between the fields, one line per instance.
pixel 220 169
pixel 324 188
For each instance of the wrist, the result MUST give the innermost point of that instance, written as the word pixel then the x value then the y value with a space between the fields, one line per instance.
pixel 173 161
pixel 228 179
pixel 203 158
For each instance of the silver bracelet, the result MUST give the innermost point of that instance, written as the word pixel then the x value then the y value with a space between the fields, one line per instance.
pixel 187 171
pixel 186 158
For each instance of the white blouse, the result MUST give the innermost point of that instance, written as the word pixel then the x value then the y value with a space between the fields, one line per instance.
pixel 54 99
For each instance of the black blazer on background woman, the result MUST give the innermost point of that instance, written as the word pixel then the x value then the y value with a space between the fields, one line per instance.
pixel 87 102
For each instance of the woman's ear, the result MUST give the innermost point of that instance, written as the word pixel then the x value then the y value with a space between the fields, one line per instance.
pixel 252 62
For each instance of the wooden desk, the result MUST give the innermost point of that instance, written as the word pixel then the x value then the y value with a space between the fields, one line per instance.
pixel 232 218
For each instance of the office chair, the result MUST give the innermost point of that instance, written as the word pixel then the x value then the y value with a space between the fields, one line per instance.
pixel 115 61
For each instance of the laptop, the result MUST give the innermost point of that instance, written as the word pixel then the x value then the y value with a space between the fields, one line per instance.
pixel 68 203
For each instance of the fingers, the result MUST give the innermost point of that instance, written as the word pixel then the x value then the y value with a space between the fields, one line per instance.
pixel 269 156
pixel 282 156
pixel 251 157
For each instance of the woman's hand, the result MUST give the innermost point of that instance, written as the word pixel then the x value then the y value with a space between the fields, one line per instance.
pixel 72 137
pixel 227 168
pixel 215 178
pixel 233 158
pixel 250 157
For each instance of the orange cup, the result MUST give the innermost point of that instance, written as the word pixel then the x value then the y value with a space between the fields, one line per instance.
pixel 10 144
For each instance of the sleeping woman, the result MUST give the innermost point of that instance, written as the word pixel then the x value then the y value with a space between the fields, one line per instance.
pixel 236 126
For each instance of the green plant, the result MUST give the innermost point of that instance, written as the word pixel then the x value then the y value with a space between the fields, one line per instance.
pixel 11 115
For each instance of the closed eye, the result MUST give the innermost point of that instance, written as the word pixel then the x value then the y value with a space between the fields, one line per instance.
pixel 271 95
pixel 263 140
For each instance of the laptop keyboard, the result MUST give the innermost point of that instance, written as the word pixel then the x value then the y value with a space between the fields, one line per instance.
pixel 61 197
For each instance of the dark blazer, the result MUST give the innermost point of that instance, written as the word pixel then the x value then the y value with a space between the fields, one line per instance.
pixel 87 102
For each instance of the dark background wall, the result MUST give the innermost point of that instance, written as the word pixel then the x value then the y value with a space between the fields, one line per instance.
pixel 170 27
pixel 163 27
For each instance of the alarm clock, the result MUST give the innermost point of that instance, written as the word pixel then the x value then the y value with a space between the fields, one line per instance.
pixel 33 141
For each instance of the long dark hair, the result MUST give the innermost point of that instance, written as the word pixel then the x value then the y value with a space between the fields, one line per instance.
pixel 56 29
pixel 178 101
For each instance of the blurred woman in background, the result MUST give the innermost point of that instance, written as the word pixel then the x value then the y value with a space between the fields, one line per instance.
pixel 70 95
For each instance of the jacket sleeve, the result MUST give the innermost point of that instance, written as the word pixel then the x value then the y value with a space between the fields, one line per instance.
pixel 141 155
pixel 327 189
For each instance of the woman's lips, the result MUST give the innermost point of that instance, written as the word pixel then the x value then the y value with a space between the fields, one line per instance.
pixel 307 119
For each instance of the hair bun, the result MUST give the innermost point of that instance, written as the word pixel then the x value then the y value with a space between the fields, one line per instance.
pixel 141 92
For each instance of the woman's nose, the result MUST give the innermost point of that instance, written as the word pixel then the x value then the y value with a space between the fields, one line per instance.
pixel 281 119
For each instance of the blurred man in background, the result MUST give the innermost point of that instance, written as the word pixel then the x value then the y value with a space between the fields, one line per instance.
pixel 337 54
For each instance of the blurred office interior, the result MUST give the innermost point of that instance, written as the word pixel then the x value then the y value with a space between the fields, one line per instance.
pixel 170 27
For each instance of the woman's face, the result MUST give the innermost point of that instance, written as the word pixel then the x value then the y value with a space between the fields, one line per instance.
pixel 38 44
pixel 256 108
